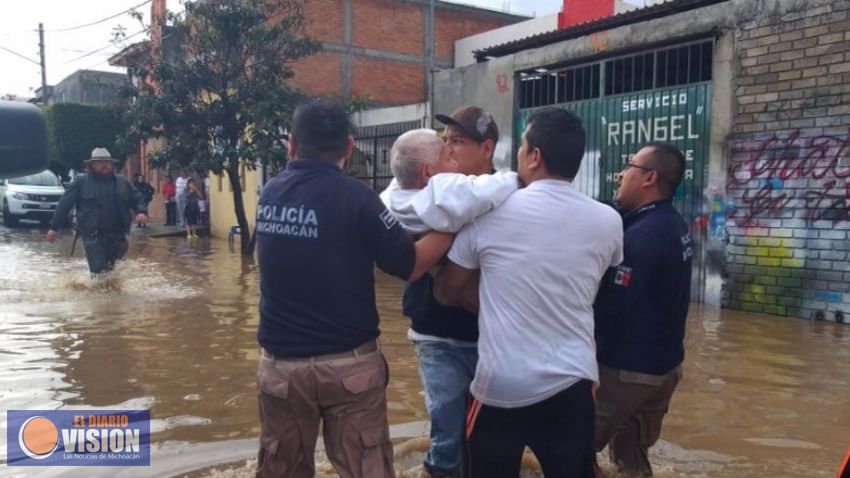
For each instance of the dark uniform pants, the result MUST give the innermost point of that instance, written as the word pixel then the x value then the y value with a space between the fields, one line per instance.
pixel 347 393
pixel 103 249
pixel 630 407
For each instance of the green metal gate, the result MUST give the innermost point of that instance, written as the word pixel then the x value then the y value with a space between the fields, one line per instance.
pixel 620 120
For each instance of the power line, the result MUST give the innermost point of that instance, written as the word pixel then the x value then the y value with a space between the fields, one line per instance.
pixel 20 56
pixel 86 55
pixel 101 20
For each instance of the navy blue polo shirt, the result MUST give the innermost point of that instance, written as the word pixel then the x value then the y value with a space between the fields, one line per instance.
pixel 319 236
pixel 642 304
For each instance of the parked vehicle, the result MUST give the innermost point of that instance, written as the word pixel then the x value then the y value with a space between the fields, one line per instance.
pixel 30 197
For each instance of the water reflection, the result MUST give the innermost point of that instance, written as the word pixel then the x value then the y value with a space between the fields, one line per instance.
pixel 761 397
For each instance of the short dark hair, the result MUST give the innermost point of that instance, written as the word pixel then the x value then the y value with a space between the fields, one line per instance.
pixel 669 163
pixel 321 129
pixel 559 135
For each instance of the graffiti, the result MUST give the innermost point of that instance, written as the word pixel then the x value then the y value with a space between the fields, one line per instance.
pixel 599 41
pixel 763 170
pixel 502 83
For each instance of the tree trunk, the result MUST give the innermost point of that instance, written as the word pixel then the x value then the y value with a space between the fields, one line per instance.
pixel 239 208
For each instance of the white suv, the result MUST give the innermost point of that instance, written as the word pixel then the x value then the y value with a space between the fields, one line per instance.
pixel 31 197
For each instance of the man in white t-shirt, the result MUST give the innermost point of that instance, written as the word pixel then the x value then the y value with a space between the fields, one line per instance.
pixel 541 257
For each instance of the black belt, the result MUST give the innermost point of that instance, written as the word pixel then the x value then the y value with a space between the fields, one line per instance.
pixel 363 349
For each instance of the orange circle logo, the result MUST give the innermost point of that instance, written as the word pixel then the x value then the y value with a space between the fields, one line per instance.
pixel 38 437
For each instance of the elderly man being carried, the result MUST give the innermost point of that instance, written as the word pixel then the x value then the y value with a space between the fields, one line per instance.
pixel 442 185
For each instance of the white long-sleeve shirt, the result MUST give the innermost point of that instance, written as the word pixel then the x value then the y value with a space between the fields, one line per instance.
pixel 449 200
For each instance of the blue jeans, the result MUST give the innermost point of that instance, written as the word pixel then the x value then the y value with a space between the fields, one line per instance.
pixel 446 371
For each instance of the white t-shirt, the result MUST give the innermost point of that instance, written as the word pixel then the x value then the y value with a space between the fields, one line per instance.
pixel 180 185
pixel 542 255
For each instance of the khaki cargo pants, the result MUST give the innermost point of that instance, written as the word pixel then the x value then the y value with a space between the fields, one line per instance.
pixel 630 408
pixel 347 392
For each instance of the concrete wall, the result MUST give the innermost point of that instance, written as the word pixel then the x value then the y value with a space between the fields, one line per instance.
pixel 779 166
pixel 788 187
pixel 390 115
pixel 465 47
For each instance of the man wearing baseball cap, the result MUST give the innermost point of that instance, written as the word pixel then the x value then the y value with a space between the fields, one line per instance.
pixel 446 337
pixel 103 201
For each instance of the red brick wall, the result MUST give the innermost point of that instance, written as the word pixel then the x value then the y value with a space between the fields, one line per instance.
pixel 324 20
pixel 319 74
pixel 453 25
pixel 388 82
pixel 389 25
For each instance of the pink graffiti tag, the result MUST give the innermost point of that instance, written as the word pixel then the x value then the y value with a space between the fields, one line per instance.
pixel 502 83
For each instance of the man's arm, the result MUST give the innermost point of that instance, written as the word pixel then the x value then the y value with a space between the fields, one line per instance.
pixel 453 285
pixel 429 250
pixel 66 203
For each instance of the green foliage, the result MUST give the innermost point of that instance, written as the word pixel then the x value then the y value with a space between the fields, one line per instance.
pixel 220 97
pixel 224 99
pixel 74 130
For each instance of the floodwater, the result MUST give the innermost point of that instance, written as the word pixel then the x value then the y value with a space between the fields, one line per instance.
pixel 174 331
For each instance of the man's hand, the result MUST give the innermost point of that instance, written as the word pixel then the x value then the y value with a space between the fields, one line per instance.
pixel 141 218
pixel 51 235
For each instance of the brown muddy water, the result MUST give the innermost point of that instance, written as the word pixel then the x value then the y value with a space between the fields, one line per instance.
pixel 174 332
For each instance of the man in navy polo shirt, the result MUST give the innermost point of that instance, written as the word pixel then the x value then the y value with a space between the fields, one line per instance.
pixel 640 310
pixel 319 236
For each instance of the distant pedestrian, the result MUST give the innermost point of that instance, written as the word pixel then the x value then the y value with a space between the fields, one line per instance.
pixel 180 195
pixel 103 201
pixel 145 189
pixel 169 191
pixel 192 212
pixel 640 310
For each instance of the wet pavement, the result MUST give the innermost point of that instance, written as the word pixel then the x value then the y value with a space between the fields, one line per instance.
pixel 174 331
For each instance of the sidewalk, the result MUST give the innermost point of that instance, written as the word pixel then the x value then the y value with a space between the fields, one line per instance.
pixel 158 229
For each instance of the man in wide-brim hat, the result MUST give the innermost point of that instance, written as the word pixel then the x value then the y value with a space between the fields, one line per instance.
pixel 103 201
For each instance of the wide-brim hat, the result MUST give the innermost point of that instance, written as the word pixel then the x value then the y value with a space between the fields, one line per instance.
pixel 101 154
pixel 474 121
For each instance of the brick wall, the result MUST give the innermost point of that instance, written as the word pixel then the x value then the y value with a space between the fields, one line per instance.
pixel 319 74
pixel 452 25
pixel 788 186
pixel 387 46
pixel 390 82
pixel 389 25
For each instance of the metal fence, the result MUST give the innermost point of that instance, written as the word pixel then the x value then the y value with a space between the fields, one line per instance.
pixel 625 102
pixel 370 162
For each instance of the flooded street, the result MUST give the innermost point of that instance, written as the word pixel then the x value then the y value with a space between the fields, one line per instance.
pixel 762 396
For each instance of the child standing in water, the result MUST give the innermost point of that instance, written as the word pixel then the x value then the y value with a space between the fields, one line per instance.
pixel 192 213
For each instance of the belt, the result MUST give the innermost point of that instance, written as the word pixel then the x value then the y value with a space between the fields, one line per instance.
pixel 363 349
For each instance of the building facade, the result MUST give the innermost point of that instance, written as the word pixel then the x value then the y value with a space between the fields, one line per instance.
pixel 756 92
pixel 89 87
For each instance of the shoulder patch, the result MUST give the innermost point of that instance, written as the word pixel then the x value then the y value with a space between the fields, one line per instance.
pixel 388 219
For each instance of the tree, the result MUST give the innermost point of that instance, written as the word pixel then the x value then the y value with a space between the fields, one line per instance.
pixel 223 100
pixel 74 130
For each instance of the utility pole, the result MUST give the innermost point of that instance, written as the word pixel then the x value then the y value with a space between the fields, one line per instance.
pixel 44 93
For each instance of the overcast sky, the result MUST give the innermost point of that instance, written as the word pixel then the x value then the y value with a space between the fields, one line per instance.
pixel 89 47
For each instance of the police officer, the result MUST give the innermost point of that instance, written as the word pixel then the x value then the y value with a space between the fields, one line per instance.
pixel 103 201
pixel 319 235
pixel 640 310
